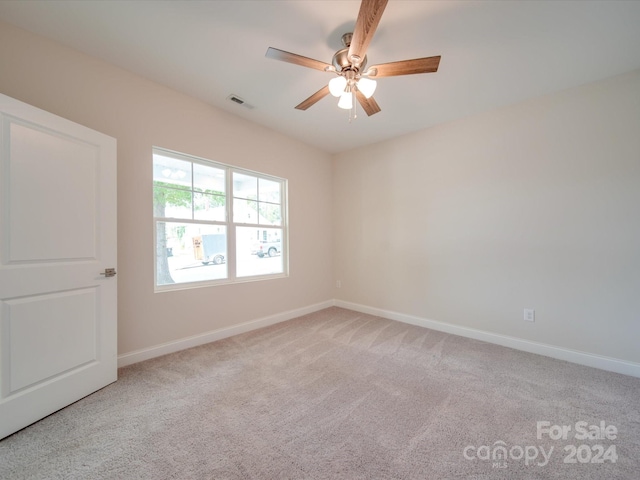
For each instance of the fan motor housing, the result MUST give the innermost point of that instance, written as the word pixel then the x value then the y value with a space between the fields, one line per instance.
pixel 341 58
pixel 341 61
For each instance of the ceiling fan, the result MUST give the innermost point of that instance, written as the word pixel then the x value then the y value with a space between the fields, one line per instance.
pixel 349 64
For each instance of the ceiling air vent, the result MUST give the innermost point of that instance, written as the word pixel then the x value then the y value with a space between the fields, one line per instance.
pixel 239 101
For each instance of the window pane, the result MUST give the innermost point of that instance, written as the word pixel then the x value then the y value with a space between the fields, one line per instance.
pixel 188 252
pixel 245 211
pixel 209 207
pixel 258 251
pixel 245 186
pixel 171 202
pixel 270 214
pixel 269 191
pixel 208 179
pixel 169 171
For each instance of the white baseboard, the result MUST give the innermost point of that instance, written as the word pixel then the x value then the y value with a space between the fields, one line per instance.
pixel 582 358
pixel 207 337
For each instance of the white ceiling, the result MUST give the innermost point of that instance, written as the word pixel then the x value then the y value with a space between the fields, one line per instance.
pixel 494 53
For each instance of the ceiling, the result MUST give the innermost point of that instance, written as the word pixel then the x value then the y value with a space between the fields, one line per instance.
pixel 494 53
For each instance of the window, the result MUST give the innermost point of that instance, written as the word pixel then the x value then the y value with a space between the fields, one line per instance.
pixel 215 223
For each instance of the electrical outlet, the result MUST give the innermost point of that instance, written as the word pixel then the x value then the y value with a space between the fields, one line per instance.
pixel 338 283
pixel 529 315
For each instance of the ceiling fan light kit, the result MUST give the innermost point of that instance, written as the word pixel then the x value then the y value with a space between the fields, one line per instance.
pixel 367 86
pixel 346 101
pixel 349 64
pixel 337 86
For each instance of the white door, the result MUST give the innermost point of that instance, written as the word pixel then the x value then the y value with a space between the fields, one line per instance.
pixel 57 237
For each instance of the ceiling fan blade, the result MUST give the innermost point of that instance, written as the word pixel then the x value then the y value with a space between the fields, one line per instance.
pixel 369 105
pixel 283 56
pixel 319 95
pixel 405 67
pixel 366 24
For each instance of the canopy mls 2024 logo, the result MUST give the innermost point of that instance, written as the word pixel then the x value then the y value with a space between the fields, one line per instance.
pixel 588 443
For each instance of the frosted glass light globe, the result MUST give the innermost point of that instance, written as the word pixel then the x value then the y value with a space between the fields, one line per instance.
pixel 337 85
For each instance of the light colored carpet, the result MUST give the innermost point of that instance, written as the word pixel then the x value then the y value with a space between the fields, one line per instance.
pixel 336 395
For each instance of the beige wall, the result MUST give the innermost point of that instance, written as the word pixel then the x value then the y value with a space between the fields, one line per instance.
pixel 536 205
pixel 141 114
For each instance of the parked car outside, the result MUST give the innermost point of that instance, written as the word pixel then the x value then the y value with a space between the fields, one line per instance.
pixel 270 249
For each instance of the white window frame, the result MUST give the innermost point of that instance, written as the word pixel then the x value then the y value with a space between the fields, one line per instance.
pixel 230 225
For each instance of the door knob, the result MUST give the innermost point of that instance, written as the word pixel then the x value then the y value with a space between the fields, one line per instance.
pixel 109 272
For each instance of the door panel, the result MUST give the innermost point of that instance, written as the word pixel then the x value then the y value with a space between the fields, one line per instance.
pixel 57 234
pixel 37 160
pixel 66 326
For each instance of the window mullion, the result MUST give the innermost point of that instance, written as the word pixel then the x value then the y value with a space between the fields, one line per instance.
pixel 189 220
pixel 193 196
pixel 231 233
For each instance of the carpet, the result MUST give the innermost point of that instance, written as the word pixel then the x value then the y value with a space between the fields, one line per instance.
pixel 338 394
